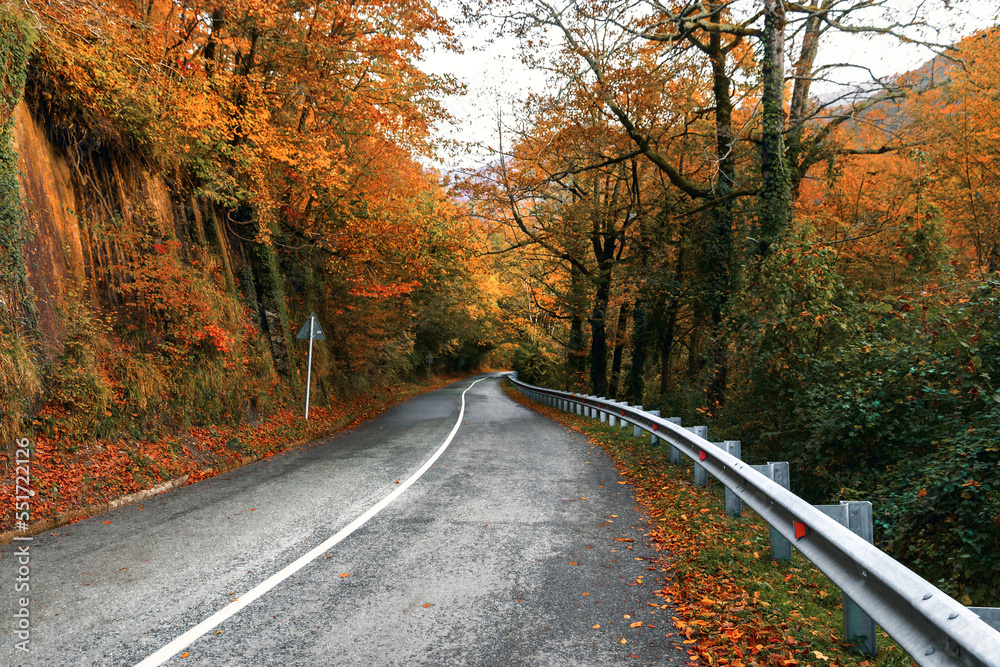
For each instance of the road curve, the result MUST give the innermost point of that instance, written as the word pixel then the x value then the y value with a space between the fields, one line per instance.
pixel 508 550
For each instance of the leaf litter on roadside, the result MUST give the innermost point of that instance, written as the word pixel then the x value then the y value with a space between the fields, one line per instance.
pixel 730 603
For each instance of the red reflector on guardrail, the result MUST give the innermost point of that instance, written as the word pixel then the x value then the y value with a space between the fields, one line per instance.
pixel 702 455
pixel 801 529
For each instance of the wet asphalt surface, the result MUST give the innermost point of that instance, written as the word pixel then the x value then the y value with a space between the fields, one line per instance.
pixel 507 551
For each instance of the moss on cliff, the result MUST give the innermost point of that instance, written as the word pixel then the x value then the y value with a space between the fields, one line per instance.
pixel 16 42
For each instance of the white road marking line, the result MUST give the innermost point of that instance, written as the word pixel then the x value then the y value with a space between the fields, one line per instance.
pixel 260 589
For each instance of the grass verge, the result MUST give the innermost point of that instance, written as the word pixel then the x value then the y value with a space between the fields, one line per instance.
pixel 733 604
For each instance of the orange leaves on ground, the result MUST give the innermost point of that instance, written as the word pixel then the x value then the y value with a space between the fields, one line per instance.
pixel 719 621
pixel 69 475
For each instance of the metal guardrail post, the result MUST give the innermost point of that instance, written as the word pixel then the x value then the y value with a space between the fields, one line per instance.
pixel 991 615
pixel 602 413
pixel 781 549
pixel 734 506
pixel 636 431
pixel 674 453
pixel 859 628
pixel 652 436
pixel 621 420
pixel 700 474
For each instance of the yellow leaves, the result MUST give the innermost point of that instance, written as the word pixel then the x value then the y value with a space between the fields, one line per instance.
pixel 344 574
pixel 596 626
pixel 637 624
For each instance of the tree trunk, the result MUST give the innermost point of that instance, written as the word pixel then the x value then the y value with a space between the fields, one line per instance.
pixel 210 53
pixel 716 259
pixel 616 360
pixel 670 330
pixel 800 96
pixel 635 385
pixel 775 194
pixel 598 338
pixel 575 361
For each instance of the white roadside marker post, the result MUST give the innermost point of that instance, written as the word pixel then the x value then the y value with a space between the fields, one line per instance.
pixel 312 331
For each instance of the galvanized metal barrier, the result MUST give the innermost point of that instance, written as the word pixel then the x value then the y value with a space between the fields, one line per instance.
pixel 933 628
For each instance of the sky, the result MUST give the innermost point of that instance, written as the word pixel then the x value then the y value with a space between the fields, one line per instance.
pixel 495 78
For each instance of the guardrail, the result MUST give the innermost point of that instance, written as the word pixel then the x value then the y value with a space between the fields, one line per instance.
pixel 932 627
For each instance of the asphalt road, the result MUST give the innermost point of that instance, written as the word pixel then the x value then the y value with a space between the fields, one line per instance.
pixel 508 550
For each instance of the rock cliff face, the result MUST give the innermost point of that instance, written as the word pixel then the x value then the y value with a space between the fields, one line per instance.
pixel 138 286
pixel 54 256
pixel 70 193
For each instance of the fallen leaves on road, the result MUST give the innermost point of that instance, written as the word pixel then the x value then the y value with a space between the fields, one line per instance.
pixel 730 606
pixel 70 474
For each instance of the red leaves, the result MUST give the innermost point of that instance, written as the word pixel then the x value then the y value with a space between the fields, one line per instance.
pixel 59 467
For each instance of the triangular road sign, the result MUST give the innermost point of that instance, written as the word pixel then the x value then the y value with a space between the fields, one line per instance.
pixel 313 324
